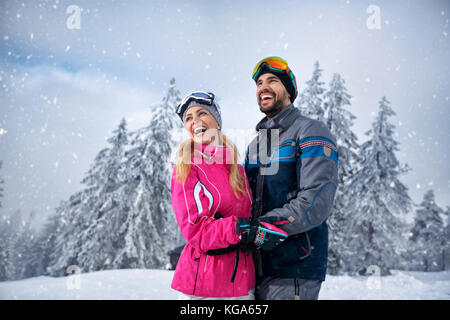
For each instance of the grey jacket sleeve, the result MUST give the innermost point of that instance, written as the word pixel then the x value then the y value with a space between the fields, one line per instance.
pixel 317 168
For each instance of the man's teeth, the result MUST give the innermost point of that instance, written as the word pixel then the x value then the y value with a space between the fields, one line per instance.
pixel 266 96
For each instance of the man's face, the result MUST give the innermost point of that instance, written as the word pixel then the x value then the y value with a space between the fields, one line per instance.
pixel 271 94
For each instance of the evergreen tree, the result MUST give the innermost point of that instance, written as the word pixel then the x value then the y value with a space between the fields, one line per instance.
pixel 150 229
pixel 164 123
pixel 99 240
pixel 16 226
pixel 29 249
pixel 123 219
pixel 339 121
pixel 310 102
pixel 6 249
pixel 373 229
pixel 72 217
pixel 427 236
pixel 24 246
pixel 44 245
pixel 446 254
pixel 15 249
pixel 87 224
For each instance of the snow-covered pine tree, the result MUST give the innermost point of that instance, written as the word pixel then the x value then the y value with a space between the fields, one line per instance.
pixel 447 215
pixel 310 100
pixel 100 240
pixel 150 229
pixel 339 121
pixel 45 245
pixel 6 249
pixel 126 205
pixel 374 227
pixel 427 236
pixel 15 238
pixel 24 246
pixel 446 255
pixel 72 217
pixel 164 123
pixel 15 225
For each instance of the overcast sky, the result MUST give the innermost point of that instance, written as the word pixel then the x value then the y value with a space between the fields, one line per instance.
pixel 63 90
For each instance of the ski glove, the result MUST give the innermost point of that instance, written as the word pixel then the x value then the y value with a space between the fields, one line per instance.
pixel 261 232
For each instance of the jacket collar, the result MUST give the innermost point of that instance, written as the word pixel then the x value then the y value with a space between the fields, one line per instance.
pixel 213 154
pixel 282 120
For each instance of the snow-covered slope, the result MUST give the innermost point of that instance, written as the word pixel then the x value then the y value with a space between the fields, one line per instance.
pixel 155 285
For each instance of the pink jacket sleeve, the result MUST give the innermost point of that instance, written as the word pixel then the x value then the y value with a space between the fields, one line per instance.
pixel 196 222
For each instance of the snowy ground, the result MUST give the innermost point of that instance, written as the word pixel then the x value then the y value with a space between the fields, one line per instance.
pixel 155 285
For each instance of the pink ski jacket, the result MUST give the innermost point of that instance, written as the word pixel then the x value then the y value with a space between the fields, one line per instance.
pixel 206 192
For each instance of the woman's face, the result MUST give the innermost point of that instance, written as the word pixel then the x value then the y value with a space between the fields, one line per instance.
pixel 201 125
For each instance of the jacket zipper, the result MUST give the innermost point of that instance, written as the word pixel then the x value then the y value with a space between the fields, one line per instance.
pixel 257 210
pixel 196 274
pixel 206 261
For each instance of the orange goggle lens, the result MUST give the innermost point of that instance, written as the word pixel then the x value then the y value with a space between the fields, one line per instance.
pixel 274 62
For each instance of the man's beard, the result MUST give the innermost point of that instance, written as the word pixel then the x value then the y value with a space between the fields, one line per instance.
pixel 274 109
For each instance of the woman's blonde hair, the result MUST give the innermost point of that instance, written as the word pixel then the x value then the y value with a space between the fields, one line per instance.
pixel 183 164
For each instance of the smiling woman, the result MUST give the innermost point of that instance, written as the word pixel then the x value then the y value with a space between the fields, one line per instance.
pixel 201 116
pixel 209 194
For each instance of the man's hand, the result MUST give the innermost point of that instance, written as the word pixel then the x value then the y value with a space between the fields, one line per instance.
pixel 263 234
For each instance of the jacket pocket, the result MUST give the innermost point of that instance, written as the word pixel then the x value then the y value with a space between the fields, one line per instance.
pixel 293 250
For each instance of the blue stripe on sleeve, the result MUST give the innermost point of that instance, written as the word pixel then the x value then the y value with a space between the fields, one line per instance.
pixel 317 151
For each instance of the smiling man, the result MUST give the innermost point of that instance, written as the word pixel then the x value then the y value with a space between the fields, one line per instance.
pixel 271 94
pixel 300 192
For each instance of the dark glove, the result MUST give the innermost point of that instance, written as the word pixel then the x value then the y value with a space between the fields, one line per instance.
pixel 263 234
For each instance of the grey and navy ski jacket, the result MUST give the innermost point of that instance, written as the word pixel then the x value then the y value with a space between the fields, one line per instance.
pixel 292 170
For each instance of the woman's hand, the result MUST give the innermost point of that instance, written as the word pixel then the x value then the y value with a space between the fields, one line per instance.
pixel 263 235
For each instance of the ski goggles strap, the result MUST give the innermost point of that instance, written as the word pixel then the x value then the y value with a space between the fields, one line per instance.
pixel 197 96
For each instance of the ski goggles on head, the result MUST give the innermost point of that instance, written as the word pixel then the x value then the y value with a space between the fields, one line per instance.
pixel 275 64
pixel 201 97
pixel 278 66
